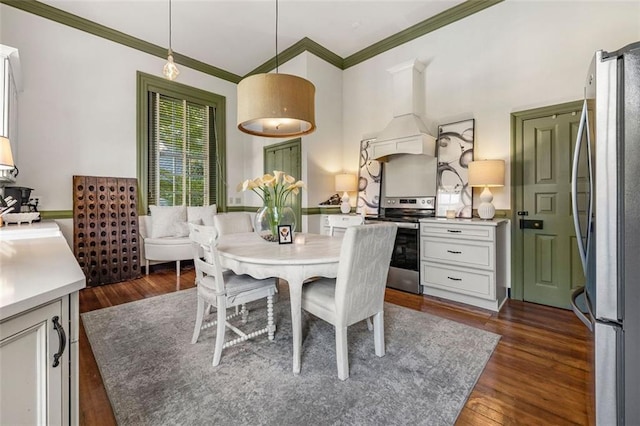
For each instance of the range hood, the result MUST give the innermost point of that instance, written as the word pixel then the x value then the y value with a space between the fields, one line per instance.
pixel 406 133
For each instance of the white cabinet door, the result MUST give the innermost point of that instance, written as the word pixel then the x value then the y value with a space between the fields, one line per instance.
pixel 32 390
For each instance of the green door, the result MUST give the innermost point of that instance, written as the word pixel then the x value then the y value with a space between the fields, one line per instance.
pixel 286 157
pixel 551 266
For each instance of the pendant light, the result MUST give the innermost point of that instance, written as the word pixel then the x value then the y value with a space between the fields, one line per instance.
pixel 170 69
pixel 276 105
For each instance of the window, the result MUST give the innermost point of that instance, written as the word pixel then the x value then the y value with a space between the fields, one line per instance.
pixel 181 145
pixel 179 152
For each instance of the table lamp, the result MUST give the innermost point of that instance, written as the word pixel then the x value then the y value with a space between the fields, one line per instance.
pixel 344 183
pixel 486 173
pixel 6 158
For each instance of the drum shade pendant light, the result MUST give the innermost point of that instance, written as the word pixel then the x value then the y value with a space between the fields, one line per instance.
pixel 276 105
pixel 170 69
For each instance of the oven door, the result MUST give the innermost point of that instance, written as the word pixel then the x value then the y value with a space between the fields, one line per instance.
pixel 405 259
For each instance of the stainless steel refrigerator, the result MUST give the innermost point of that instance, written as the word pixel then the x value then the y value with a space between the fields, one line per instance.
pixel 606 211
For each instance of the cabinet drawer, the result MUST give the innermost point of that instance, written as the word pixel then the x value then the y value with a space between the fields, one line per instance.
pixel 468 253
pixel 453 230
pixel 472 282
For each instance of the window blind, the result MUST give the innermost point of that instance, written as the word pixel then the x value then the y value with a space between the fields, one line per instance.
pixel 181 152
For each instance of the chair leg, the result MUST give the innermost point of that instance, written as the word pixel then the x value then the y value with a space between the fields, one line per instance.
pixel 146 266
pixel 378 333
pixel 342 354
pixel 221 326
pixel 245 313
pixel 270 325
pixel 199 316
pixel 177 268
pixel 369 324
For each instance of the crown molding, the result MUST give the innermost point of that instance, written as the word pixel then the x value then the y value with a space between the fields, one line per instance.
pixel 447 17
pixel 304 45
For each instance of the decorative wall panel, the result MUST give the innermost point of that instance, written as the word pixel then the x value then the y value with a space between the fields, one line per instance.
pixel 105 228
pixel 369 181
pixel 455 152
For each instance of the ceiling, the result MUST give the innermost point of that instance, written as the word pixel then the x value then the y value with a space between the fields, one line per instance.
pixel 240 35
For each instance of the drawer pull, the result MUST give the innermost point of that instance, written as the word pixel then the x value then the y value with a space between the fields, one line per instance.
pixel 455 231
pixel 455 279
pixel 454 252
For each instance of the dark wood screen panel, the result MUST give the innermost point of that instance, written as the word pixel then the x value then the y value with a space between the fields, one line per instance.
pixel 105 228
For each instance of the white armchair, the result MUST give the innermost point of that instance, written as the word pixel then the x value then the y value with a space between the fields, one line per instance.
pixel 358 291
pixel 165 233
pixel 233 223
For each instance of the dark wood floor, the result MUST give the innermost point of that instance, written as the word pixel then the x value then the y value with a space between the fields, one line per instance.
pixel 539 374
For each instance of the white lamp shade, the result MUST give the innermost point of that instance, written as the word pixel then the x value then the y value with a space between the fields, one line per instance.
pixel 276 105
pixel 346 182
pixel 486 173
pixel 6 158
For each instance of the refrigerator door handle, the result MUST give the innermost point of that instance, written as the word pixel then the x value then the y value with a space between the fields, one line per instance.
pixel 587 318
pixel 574 188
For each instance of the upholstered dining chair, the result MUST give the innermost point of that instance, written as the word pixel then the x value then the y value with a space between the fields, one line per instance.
pixel 343 221
pixel 357 292
pixel 224 289
pixel 233 223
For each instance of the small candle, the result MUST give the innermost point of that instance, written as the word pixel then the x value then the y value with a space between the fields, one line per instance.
pixel 300 239
pixel 451 214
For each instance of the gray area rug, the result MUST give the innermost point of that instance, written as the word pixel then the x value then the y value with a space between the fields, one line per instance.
pixel 154 375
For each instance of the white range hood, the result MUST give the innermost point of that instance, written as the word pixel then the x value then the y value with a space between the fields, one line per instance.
pixel 406 133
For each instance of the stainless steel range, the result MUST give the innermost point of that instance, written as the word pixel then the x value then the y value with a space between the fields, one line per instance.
pixel 406 212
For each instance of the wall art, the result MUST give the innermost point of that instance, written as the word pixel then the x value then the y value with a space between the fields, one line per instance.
pixel 369 181
pixel 455 152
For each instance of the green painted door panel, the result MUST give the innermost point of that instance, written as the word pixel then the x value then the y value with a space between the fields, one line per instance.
pixel 551 264
pixel 286 157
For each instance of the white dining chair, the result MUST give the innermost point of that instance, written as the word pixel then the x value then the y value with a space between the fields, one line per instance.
pixel 224 289
pixel 343 221
pixel 233 223
pixel 357 292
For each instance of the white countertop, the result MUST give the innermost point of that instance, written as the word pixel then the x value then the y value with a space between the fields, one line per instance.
pixel 35 269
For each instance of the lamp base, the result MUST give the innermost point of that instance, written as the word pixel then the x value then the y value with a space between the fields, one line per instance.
pixel 486 210
pixel 345 207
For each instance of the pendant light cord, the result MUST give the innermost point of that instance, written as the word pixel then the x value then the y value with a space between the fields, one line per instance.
pixel 169 25
pixel 277 64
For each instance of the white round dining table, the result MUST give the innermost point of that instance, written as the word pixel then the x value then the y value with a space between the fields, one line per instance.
pixel 248 253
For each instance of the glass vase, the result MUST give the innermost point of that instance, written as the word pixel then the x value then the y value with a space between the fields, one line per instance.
pixel 269 217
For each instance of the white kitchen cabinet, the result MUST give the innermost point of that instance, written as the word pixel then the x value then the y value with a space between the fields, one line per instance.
pixel 34 366
pixel 39 287
pixel 465 261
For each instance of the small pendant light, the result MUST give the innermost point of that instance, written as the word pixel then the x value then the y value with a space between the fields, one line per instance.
pixel 170 69
pixel 276 105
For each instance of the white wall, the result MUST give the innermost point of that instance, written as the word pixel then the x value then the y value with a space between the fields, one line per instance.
pixel 77 113
pixel 510 57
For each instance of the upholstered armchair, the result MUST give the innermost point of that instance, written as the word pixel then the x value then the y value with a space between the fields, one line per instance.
pixel 165 233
